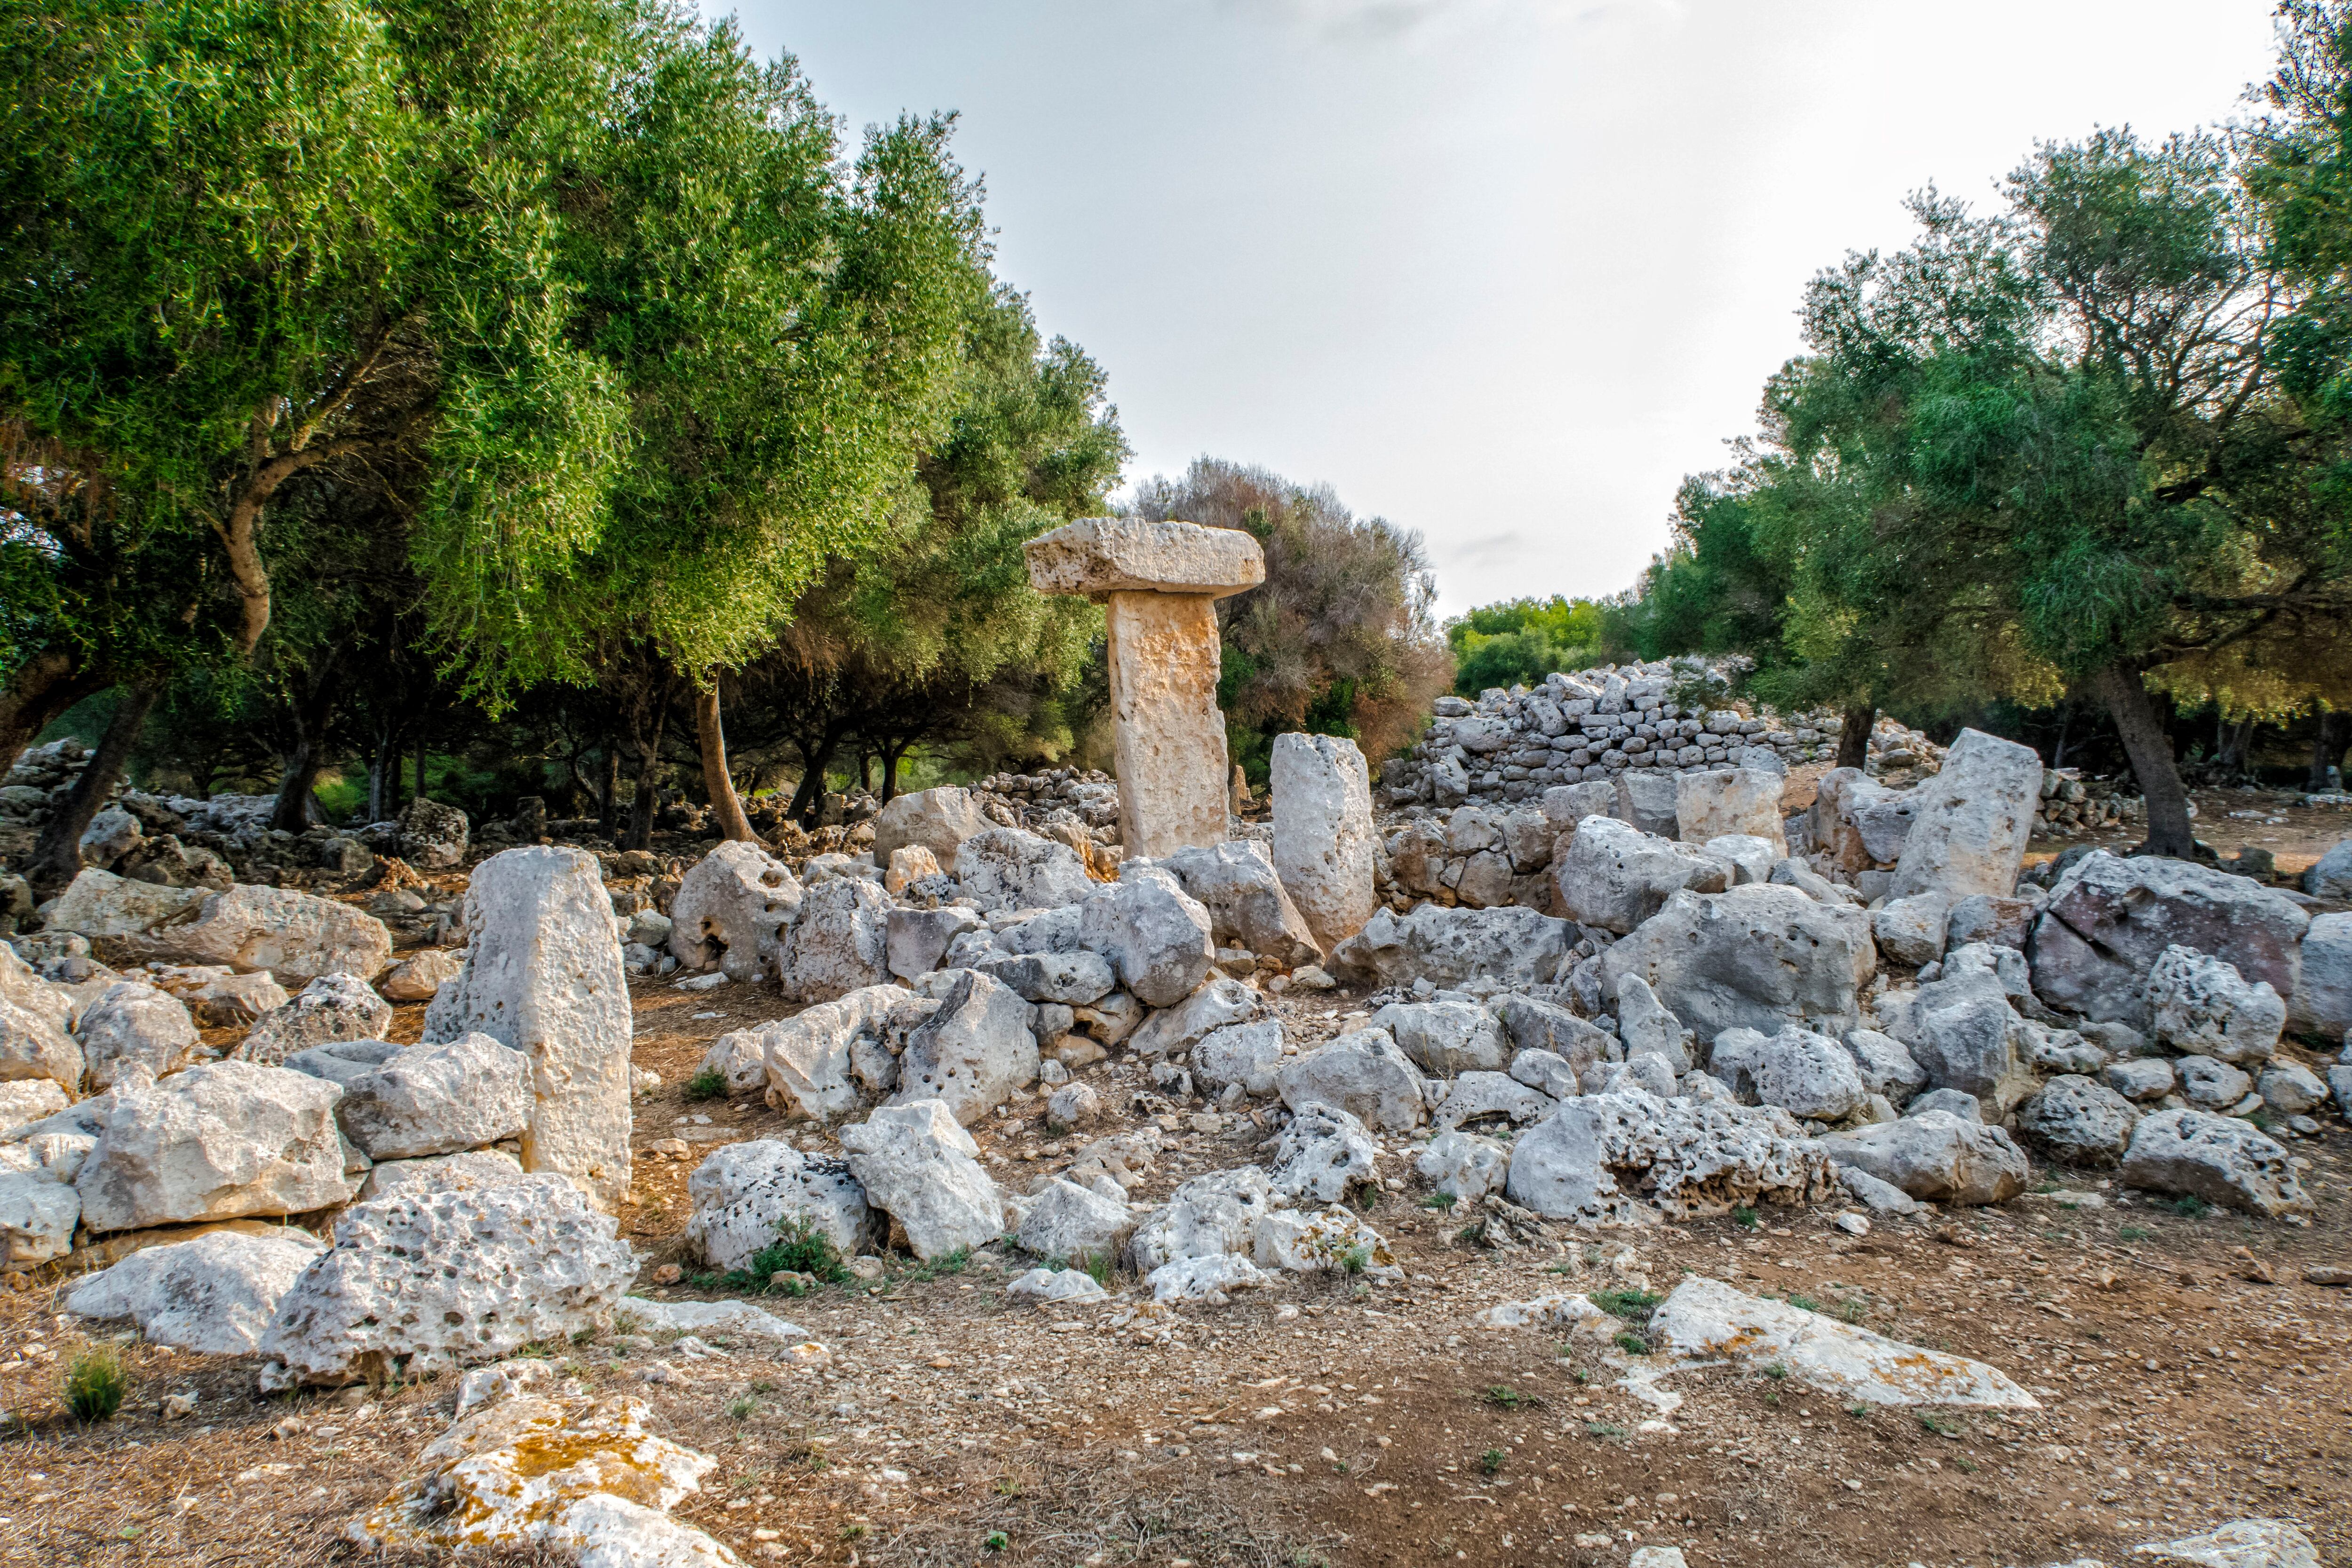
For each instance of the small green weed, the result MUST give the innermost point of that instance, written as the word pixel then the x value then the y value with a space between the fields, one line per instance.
pixel 1853 1308
pixel 1777 1371
pixel 1744 1217
pixel 1355 1259
pixel 1471 1232
pixel 2189 1205
pixel 939 1267
pixel 1772 1397
pixel 1007 1486
pixel 1807 1302
pixel 1633 1344
pixel 1603 1429
pixel 1941 1425
pixel 1506 1398
pixel 1966 1466
pixel 1442 1202
pixel 853 1533
pixel 1859 1411
pixel 1097 1268
pixel 1492 1460
pixel 1634 1306
pixel 996 1541
pixel 708 1084
pixel 2132 1232
pixel 96 1383
pixel 799 1248
pixel 740 1409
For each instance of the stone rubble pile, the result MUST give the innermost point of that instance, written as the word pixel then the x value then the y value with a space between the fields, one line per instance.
pixel 1598 724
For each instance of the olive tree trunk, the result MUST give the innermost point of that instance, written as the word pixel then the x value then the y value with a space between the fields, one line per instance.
pixel 1854 735
pixel 57 859
pixel 2119 687
pixel 717 782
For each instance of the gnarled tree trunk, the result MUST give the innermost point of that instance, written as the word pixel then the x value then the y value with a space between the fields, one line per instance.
pixel 37 696
pixel 2120 688
pixel 57 859
pixel 716 779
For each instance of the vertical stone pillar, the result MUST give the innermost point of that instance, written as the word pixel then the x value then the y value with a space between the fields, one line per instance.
pixel 1159 583
pixel 1323 841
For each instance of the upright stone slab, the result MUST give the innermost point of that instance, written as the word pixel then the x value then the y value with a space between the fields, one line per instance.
pixel 1160 581
pixel 544 976
pixel 1970 822
pixel 1323 833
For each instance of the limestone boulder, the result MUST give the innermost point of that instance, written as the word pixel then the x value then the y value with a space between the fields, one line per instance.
pixel 1709 1323
pixel 1248 905
pixel 1911 931
pixel 1615 877
pixel 433 836
pixel 1860 823
pixel 1647 801
pixel 1744 801
pixel 1463 1166
pixel 2077 1120
pixel 2200 1005
pixel 1550 1074
pixel 1484 1097
pixel 213 1295
pixel 1966 1036
pixel 1446 1038
pixel 1886 1066
pixel 1324 844
pixel 973 1052
pixel 2109 919
pixel 1364 1073
pixel 1937 1157
pixel 419 976
pixel 1321 1157
pixel 1536 1026
pixel 2330 876
pixel 296 937
pixel 37 1217
pixel 343 1060
pixel 1971 821
pixel 215 1141
pixel 920 1167
pixel 136 1027
pixel 2322 1002
pixel 1245 1054
pixel 2142 1079
pixel 938 820
pixel 29 1100
pixel 838 942
pixel 746 1195
pixel 1753 957
pixel 99 904
pixel 1804 1073
pixel 544 976
pixel 2220 1159
pixel 1103 555
pixel 730 907
pixel 2291 1088
pixel 2005 923
pixel 1073 979
pixel 1071 1222
pixel 1208 1216
pixel 1209 1280
pixel 1007 868
pixel 1649 1028
pixel 1508 949
pixel 437 1172
pixel 433 1281
pixel 2211 1085
pixel 1298 1241
pixel 33 1047
pixel 916 941
pixel 331 1007
pixel 824 1061
pixel 1219 1004
pixel 438 1100
pixel 1156 936
pixel 20 987
pixel 1632 1158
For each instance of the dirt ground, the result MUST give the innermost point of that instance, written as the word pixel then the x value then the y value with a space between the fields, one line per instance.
pixel 2187 1375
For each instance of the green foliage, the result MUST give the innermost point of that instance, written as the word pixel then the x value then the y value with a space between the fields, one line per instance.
pixel 1603 1429
pixel 1744 1217
pixel 1355 1259
pixel 708 1084
pixel 2132 1232
pixel 1805 1302
pixel 800 1247
pixel 1778 1372
pixel 96 1383
pixel 942 1266
pixel 2188 1206
pixel 1340 639
pixel 1506 1398
pixel 1633 1344
pixel 1941 1425
pixel 1442 1202
pixel 1491 1461
pixel 1634 1306
pixel 996 1541
pixel 1520 641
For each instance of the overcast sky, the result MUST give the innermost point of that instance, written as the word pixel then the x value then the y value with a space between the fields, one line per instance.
pixel 1499 270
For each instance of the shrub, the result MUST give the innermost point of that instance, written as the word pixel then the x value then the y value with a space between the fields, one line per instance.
pixel 1634 1306
pixel 708 1084
pixel 799 1248
pixel 1492 1460
pixel 96 1383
